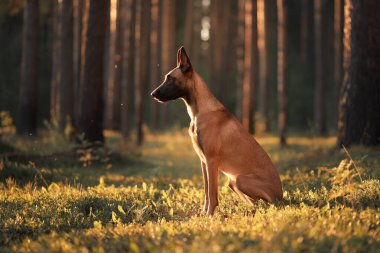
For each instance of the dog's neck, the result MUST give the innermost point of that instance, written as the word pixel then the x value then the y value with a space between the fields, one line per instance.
pixel 200 99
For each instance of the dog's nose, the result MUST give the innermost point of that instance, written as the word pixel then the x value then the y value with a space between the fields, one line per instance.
pixel 155 93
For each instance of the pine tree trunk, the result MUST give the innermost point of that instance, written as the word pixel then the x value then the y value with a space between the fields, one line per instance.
pixel 78 12
pixel 319 93
pixel 337 42
pixel 127 79
pixel 263 56
pixel 282 68
pixel 143 70
pixel 189 26
pixel 240 58
pixel 250 65
pixel 66 88
pixel 168 51
pixel 109 117
pixel 29 70
pixel 90 122
pixel 359 121
pixel 118 65
pixel 155 68
pixel 55 61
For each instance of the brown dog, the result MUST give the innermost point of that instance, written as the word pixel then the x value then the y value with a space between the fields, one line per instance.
pixel 219 139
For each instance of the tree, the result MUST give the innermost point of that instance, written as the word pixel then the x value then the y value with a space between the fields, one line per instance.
pixel 359 121
pixel 155 68
pixel 109 112
pixel 240 58
pixel 128 66
pixel 337 42
pixel 168 36
pixel 263 57
pixel 55 61
pixel 29 65
pixel 66 87
pixel 319 93
pixel 77 47
pixel 90 121
pixel 282 10
pixel 250 65
pixel 143 69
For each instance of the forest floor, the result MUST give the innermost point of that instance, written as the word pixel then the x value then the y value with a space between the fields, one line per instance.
pixel 119 199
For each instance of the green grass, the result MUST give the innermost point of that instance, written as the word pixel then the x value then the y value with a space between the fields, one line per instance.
pixel 150 199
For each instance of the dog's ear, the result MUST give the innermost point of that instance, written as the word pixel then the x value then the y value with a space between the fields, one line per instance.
pixel 183 61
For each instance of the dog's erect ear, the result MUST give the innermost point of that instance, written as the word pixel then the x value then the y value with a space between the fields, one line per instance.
pixel 183 61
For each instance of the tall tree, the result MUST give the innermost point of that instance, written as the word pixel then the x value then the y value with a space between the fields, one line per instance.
pixel 263 57
pixel 29 65
pixel 337 42
pixel 155 69
pixel 128 66
pixel 66 87
pixel 168 38
pixel 240 57
pixel 282 13
pixel 250 65
pixel 220 40
pixel 55 62
pixel 90 121
pixel 359 121
pixel 319 94
pixel 109 112
pixel 143 69
pixel 78 12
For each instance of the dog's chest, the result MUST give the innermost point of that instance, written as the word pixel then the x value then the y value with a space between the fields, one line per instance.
pixel 195 135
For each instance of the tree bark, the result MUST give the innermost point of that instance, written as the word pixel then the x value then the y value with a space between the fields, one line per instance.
pixel 29 69
pixel 90 122
pixel 128 76
pixel 168 51
pixel 143 70
pixel 250 65
pixel 319 93
pixel 359 121
pixel 263 57
pixel 240 58
pixel 109 117
pixel 66 88
pixel 78 13
pixel 282 68
pixel 337 42
pixel 55 62
pixel 155 68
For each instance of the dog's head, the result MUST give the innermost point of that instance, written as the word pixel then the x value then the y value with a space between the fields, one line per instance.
pixel 175 83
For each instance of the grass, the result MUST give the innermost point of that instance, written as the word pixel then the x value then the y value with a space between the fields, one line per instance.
pixel 150 199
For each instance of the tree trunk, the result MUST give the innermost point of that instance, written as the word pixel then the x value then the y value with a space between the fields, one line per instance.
pixel 319 93
pixel 240 58
pixel 29 69
pixel 337 42
pixel 55 61
pixel 109 118
pixel 78 12
pixel 155 69
pixel 143 70
pixel 189 26
pixel 359 121
pixel 263 57
pixel 250 65
pixel 168 51
pixel 128 77
pixel 282 68
pixel 305 28
pixel 66 88
pixel 90 121
pixel 118 66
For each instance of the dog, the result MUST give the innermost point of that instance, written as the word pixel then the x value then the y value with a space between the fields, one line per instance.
pixel 220 140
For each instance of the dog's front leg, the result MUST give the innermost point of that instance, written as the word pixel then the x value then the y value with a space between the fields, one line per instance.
pixel 212 176
pixel 205 181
